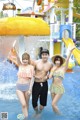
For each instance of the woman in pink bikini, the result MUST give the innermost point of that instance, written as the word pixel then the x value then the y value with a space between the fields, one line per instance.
pixel 25 82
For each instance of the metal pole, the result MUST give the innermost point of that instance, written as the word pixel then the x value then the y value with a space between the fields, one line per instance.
pixel 71 11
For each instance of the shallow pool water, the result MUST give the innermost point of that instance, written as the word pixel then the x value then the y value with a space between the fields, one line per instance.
pixel 69 104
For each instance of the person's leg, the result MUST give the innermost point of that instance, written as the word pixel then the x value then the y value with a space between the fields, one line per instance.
pixel 27 97
pixel 22 100
pixel 52 95
pixel 43 96
pixel 35 96
pixel 55 100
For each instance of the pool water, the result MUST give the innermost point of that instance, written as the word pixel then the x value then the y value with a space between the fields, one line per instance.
pixel 69 104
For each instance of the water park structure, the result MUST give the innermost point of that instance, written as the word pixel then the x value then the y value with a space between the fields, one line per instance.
pixel 48 24
pixel 53 31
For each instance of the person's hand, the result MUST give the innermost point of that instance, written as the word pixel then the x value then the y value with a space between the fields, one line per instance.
pixel 46 77
pixel 71 47
pixel 29 92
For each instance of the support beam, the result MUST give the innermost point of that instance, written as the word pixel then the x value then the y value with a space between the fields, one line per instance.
pixel 21 46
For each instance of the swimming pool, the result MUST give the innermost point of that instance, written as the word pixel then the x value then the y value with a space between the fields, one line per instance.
pixel 69 104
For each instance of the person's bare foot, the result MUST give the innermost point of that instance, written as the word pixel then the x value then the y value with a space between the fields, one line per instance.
pixel 37 114
pixel 25 118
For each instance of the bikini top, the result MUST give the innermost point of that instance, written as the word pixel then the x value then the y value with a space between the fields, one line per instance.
pixel 25 72
pixel 58 74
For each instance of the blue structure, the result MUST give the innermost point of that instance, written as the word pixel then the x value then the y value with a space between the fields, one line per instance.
pixel 65 27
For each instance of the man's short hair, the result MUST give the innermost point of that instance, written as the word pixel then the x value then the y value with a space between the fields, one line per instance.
pixel 45 51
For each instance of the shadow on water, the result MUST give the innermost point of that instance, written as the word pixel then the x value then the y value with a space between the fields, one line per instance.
pixel 69 104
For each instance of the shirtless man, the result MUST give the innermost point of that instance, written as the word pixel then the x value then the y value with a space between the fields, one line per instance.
pixel 40 86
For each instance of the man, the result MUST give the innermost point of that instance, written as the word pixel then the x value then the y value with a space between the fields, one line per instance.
pixel 40 86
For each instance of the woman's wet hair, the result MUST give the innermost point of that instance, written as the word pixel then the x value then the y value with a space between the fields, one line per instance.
pixel 26 56
pixel 59 58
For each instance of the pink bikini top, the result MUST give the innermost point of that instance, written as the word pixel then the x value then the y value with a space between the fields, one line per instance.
pixel 25 71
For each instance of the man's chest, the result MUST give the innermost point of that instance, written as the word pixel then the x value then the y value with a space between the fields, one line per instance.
pixel 42 67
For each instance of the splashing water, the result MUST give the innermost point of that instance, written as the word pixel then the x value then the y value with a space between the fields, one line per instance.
pixel 8 78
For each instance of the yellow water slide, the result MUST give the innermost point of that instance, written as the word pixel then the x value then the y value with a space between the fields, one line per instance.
pixel 76 52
